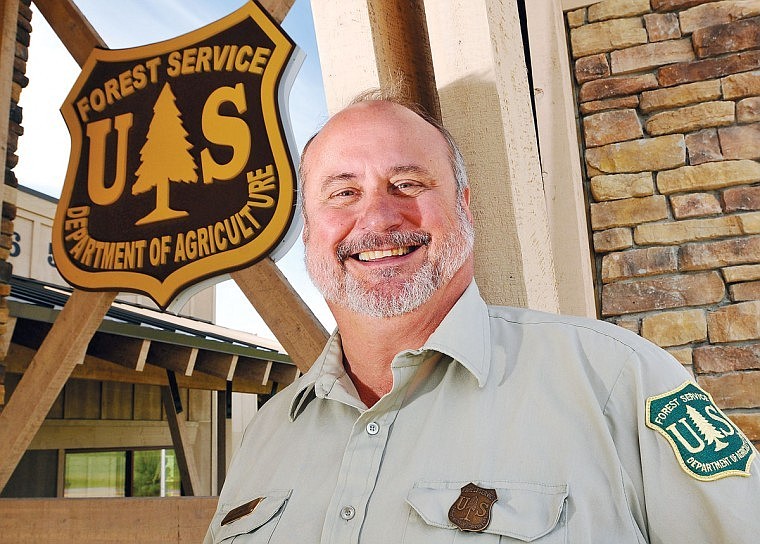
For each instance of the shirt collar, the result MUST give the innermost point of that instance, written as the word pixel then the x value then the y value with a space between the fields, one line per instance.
pixel 463 335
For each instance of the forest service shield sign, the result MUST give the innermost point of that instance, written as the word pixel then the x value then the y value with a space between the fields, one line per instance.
pixel 180 166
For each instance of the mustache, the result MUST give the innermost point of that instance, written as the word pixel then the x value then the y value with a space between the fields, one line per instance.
pixel 373 241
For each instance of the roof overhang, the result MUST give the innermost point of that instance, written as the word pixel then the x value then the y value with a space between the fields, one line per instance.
pixel 139 345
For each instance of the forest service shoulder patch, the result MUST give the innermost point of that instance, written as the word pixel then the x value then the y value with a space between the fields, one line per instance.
pixel 706 442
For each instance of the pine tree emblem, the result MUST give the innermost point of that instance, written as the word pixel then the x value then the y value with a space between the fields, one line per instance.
pixel 165 157
pixel 708 430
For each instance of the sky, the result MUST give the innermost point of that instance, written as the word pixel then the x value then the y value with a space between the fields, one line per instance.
pixel 44 148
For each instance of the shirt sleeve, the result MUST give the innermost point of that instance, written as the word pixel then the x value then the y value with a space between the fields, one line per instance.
pixel 691 475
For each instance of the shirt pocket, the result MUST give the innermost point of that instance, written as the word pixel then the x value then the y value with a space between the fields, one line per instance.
pixel 254 527
pixel 523 512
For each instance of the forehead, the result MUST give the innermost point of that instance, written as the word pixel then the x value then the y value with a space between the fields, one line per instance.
pixel 376 133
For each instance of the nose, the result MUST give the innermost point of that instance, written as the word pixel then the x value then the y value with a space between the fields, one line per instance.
pixel 381 212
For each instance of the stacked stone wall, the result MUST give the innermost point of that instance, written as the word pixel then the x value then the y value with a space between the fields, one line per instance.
pixel 15 130
pixel 668 96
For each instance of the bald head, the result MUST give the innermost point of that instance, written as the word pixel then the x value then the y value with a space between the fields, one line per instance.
pixel 368 103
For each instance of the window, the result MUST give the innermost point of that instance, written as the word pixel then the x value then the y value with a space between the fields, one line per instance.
pixel 155 474
pixel 130 473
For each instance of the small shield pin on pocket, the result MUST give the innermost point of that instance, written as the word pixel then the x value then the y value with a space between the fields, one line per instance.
pixel 472 509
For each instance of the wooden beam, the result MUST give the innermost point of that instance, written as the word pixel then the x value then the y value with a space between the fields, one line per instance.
pixel 267 372
pixel 128 352
pixel 182 447
pixel 50 368
pixel 383 42
pixel 175 520
pixel 251 370
pixel 278 9
pixel 233 367
pixel 286 314
pixel 176 358
pixel 104 434
pixel 402 50
pixel 281 373
pixel 221 365
pixel 561 160
pixel 60 485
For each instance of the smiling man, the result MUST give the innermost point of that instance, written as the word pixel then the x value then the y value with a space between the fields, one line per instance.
pixel 388 233
pixel 431 417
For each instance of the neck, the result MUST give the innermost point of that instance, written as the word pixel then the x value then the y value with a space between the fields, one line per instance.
pixel 370 344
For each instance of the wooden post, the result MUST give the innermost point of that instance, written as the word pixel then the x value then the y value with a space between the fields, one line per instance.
pixel 182 447
pixel 384 40
pixel 560 157
pixel 59 353
pixel 402 50
pixel 8 28
pixel 221 438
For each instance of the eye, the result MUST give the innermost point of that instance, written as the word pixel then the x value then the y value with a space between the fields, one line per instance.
pixel 407 187
pixel 346 192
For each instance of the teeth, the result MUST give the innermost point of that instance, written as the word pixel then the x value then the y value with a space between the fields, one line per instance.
pixel 372 255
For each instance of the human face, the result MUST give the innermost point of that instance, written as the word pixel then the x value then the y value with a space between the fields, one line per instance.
pixel 385 229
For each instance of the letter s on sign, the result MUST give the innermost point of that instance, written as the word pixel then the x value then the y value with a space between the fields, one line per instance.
pixel 227 131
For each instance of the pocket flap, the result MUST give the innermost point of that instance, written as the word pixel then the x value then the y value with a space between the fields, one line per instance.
pixel 267 508
pixel 523 510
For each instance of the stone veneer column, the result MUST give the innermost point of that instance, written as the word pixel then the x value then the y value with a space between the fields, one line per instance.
pixel 669 104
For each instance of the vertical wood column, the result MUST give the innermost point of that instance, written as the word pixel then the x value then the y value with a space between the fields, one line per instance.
pixel 182 448
pixel 220 439
pixel 560 157
pixel 485 101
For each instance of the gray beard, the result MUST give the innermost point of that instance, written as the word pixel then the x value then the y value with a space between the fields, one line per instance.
pixel 374 301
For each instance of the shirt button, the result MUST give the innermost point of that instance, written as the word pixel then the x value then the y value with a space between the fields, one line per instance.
pixel 347 512
pixel 373 428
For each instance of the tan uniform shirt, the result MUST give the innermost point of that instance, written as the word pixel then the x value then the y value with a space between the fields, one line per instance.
pixel 550 412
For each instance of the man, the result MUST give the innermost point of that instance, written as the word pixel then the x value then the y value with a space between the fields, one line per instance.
pixel 430 417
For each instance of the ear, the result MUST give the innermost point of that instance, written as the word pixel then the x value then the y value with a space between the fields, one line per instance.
pixel 466 202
